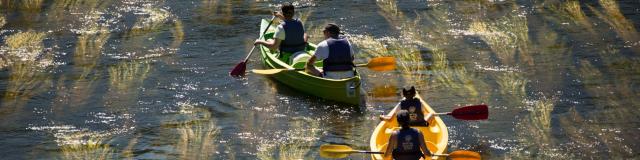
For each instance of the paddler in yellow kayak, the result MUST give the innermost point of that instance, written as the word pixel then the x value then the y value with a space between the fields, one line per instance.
pixel 290 37
pixel 413 106
pixel 406 143
pixel 336 54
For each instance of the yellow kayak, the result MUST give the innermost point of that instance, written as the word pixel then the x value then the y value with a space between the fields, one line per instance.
pixel 436 134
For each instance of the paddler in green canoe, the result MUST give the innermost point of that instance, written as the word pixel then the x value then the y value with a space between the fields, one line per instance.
pixel 290 37
pixel 336 54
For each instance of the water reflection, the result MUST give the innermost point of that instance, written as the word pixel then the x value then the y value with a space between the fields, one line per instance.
pixel 506 37
pixel 2 19
pixel 559 83
pixel 31 6
pixel 196 131
pixel 85 145
pixel 426 37
pixel 570 12
pixel 217 11
pixel 620 24
pixel 535 131
pixel 127 76
pixel 91 39
pixel 141 41
pixel 28 63
pixel 295 145
pixel 512 84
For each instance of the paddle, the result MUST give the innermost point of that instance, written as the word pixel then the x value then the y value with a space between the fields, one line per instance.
pixel 475 112
pixel 241 67
pixel 377 64
pixel 342 151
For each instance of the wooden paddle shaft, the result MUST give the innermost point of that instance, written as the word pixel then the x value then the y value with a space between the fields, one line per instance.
pixel 437 114
pixel 374 152
pixel 263 32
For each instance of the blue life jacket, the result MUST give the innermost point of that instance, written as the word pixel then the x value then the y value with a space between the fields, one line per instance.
pixel 414 107
pixel 340 56
pixel 294 37
pixel 408 146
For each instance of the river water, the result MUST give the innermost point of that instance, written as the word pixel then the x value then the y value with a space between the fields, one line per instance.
pixel 148 79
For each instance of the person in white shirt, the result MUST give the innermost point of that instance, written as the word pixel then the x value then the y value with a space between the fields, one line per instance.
pixel 335 52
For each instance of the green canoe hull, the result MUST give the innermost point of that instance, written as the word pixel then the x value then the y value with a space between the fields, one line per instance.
pixel 339 90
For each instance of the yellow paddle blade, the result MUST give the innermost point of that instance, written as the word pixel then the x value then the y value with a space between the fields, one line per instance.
pixel 267 71
pixel 464 155
pixel 335 151
pixel 382 64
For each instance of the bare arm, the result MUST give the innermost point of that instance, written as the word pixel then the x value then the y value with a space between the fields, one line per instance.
pixel 272 44
pixel 391 113
pixel 423 146
pixel 278 14
pixel 311 68
pixel 390 146
pixel 428 117
pixel 306 37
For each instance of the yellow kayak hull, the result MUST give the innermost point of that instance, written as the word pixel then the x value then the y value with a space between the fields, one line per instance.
pixel 436 134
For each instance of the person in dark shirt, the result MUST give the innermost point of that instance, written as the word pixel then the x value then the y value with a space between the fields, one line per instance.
pixel 413 106
pixel 407 143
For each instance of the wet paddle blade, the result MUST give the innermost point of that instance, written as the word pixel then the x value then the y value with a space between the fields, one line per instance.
pixel 382 64
pixel 333 155
pixel 464 155
pixel 476 112
pixel 335 151
pixel 239 69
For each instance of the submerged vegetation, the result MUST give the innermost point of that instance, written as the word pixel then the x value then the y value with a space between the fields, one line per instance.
pixel 561 77
pixel 196 134
pixel 519 53
pixel 302 133
pixel 2 21
pixel 85 145
pixel 145 30
pixel 28 63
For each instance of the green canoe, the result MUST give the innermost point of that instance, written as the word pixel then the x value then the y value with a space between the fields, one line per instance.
pixel 339 90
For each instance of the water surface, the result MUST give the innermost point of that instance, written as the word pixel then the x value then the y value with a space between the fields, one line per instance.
pixel 146 79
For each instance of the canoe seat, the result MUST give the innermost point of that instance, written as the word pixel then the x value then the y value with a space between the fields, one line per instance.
pixel 300 60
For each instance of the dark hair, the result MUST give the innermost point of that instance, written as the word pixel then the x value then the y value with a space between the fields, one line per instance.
pixel 409 93
pixel 287 9
pixel 332 28
pixel 403 118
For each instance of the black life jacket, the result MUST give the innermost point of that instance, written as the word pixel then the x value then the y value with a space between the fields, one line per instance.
pixel 340 56
pixel 294 37
pixel 408 146
pixel 414 107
